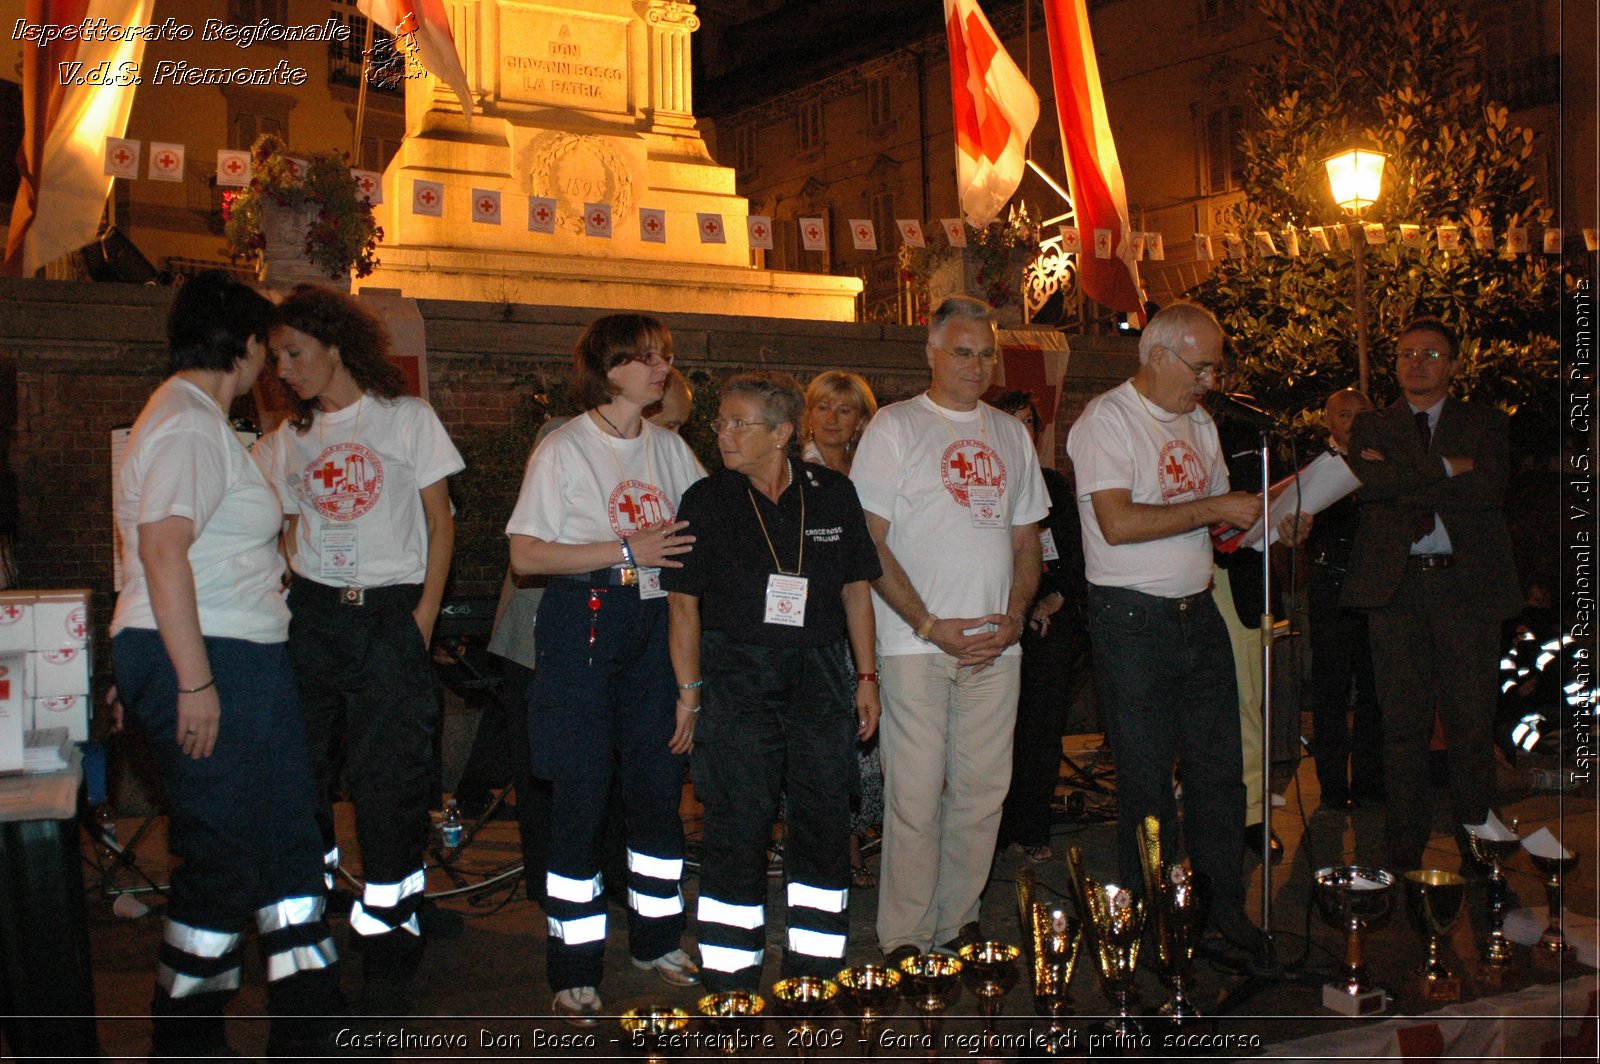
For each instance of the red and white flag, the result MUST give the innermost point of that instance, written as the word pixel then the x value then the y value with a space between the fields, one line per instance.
pixel 486 206
pixel 122 158
pixel 1591 239
pixel 427 197
pixel 1156 245
pixel 1094 174
pixel 1482 238
pixel 234 168
pixel 1319 238
pixel 1449 238
pixel 370 184
pixel 1552 241
pixel 863 235
pixel 1375 233
pixel 1411 235
pixel 541 214
pixel 813 234
pixel 995 110
pixel 711 230
pixel 1264 243
pixel 759 228
pixel 425 24
pixel 955 232
pixel 166 161
pixel 597 220
pixel 63 158
pixel 1517 239
pixel 1202 247
pixel 911 233
pixel 652 225
pixel 1291 242
pixel 1071 240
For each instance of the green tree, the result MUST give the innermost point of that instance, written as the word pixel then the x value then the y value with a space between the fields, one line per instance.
pixel 1395 75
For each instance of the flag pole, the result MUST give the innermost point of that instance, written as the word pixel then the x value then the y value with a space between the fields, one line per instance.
pixel 361 95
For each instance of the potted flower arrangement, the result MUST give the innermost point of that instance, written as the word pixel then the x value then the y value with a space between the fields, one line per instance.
pixel 990 267
pixel 301 217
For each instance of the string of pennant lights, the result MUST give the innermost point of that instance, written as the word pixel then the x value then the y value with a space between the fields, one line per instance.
pixel 166 163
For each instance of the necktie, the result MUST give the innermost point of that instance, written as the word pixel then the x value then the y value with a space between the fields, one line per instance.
pixel 1425 522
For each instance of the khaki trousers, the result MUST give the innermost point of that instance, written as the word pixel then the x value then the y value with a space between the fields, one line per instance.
pixel 946 740
pixel 1247 671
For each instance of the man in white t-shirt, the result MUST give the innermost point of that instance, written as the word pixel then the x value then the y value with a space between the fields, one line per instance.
pixel 1151 482
pixel 952 493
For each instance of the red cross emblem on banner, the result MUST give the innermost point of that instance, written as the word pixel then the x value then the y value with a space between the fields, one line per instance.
pixel 329 474
pixel 426 196
pixel 541 213
pixel 651 224
pixel 863 232
pixel 121 156
pixel 365 184
pixel 486 206
pixel 294 169
pixel 760 231
pixel 597 219
pixel 166 160
pixel 814 232
pixel 711 226
pixel 233 167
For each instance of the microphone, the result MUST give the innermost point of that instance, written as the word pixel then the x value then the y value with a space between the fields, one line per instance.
pixel 1223 405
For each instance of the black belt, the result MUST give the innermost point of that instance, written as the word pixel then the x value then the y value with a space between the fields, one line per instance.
pixel 614 576
pixel 403 596
pixel 1430 561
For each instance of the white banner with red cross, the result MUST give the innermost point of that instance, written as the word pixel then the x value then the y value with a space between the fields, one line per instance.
pixel 1034 361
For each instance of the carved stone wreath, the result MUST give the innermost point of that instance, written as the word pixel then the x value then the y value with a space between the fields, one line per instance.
pixel 574 169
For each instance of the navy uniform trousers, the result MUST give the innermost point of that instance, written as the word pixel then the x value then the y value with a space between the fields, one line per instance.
pixel 242 823
pixel 367 687
pixel 773 721
pixel 600 712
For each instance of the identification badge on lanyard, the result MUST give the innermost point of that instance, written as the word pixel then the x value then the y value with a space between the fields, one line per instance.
pixel 1047 545
pixel 786 600
pixel 337 554
pixel 650 583
pixel 983 500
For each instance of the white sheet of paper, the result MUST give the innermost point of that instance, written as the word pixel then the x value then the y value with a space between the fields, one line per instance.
pixel 1323 482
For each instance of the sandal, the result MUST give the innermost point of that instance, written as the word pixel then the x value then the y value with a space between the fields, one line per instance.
pixel 861 877
pixel 1037 854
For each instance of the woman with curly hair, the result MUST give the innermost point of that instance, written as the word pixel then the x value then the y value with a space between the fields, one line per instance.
pixel 360 471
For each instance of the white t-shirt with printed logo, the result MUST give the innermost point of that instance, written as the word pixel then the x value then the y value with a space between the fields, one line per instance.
pixel 913 467
pixel 582 485
pixel 358 473
pixel 1161 458
pixel 183 460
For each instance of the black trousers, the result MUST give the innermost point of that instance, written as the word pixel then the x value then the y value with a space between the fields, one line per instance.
pixel 1036 749
pixel 773 721
pixel 366 684
pixel 1349 755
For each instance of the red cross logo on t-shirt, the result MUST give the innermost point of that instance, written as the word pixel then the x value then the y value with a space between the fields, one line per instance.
pixel 343 482
pixel 1180 472
pixel 971 462
pixel 636 504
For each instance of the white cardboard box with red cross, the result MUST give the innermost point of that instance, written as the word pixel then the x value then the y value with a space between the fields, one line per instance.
pixel 50 629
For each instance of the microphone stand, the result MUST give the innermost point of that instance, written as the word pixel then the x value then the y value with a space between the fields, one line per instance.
pixel 1268 948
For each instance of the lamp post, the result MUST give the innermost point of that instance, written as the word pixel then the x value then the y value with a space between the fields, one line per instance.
pixel 1356 177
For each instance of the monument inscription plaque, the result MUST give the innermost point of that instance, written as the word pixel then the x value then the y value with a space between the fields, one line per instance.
pixel 561 58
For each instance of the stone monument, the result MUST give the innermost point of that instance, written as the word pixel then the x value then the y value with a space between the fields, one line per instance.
pixel 581 102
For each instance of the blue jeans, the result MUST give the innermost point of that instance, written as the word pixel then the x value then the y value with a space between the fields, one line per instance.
pixel 1164 671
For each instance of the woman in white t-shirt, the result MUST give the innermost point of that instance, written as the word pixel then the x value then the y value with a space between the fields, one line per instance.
pixel 198 639
pixel 360 471
pixel 597 513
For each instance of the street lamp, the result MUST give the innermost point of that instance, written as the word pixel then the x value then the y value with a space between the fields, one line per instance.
pixel 1356 178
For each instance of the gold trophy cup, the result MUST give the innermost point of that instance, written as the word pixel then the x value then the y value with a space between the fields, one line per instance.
pixel 1434 899
pixel 1493 843
pixel 1055 938
pixel 1554 861
pixel 650 1029
pixel 1181 902
pixel 803 999
pixel 1353 898
pixel 990 969
pixel 731 1013
pixel 1113 922
pixel 932 982
pixel 870 993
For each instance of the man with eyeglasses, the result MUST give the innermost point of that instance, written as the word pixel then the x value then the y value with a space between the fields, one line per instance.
pixel 1151 482
pixel 1433 568
pixel 953 496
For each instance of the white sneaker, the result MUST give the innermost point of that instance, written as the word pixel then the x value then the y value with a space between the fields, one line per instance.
pixel 675 969
pixel 578 1005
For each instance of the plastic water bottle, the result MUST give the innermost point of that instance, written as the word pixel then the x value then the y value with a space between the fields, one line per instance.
pixel 450 830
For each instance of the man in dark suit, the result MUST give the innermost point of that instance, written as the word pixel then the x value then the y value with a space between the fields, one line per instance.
pixel 1432 567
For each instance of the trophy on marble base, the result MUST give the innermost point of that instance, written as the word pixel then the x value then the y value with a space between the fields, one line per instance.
pixel 1433 898
pixel 870 992
pixel 1055 937
pixel 1113 921
pixel 1492 843
pixel 650 1028
pixel 933 981
pixel 1352 898
pixel 731 1013
pixel 1181 902
pixel 803 999
pixel 1555 861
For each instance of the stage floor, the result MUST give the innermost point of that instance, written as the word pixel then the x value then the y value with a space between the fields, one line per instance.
pixel 483 994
